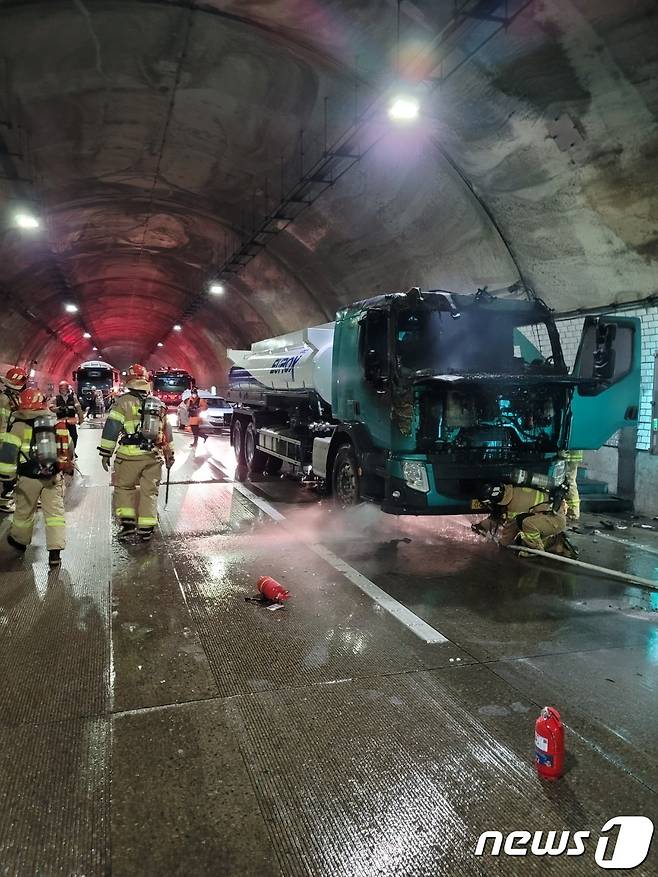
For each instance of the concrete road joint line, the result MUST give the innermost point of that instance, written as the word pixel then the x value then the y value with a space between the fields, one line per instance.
pixel 405 616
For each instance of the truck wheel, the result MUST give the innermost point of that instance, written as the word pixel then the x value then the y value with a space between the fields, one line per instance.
pixel 273 465
pixel 237 440
pixel 255 458
pixel 345 478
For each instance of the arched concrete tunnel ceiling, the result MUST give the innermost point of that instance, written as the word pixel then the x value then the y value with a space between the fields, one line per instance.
pixel 148 136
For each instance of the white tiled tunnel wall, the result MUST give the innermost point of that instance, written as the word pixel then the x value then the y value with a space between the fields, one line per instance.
pixel 570 331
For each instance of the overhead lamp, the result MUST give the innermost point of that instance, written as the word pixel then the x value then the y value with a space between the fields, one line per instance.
pixel 160 344
pixel 86 334
pixel 216 288
pixel 70 308
pixel 403 108
pixel 26 221
pixel 94 348
pixel 178 327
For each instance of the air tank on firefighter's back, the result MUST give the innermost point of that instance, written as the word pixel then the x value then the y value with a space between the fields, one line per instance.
pixel 45 441
pixel 151 418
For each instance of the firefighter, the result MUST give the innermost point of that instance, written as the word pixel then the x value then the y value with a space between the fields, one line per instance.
pixel 35 450
pixel 137 423
pixel 67 407
pixel 573 460
pixel 527 516
pixel 15 382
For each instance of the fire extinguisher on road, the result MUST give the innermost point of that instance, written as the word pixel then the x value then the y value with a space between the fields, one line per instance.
pixel 271 589
pixel 549 744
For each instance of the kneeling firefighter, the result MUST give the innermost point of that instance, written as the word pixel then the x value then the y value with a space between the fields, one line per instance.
pixel 137 423
pixel 530 517
pixel 35 450
pixel 14 382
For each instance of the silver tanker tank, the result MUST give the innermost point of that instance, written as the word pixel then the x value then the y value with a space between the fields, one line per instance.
pixel 296 361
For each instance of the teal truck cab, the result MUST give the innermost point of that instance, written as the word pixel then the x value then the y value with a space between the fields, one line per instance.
pixel 417 400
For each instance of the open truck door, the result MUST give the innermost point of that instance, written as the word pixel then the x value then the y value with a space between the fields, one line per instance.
pixel 609 363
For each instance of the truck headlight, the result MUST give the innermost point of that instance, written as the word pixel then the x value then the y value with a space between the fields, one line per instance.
pixel 415 475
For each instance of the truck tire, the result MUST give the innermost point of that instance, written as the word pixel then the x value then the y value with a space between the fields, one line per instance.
pixel 345 477
pixel 256 459
pixel 273 465
pixel 237 440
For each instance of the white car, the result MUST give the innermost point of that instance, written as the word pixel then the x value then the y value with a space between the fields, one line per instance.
pixel 216 418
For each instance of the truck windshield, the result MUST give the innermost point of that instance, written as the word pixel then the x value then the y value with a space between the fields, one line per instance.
pixel 171 383
pixel 480 341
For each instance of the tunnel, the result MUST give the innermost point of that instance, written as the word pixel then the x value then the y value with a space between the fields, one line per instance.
pixel 237 191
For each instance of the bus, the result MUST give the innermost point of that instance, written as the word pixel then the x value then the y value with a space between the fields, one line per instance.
pixel 96 374
pixel 169 385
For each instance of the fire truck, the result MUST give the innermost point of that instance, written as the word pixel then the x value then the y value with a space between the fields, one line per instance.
pixel 169 385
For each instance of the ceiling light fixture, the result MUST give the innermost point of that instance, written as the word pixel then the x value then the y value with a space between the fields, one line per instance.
pixel 94 348
pixel 160 344
pixel 86 334
pixel 216 288
pixel 178 327
pixel 403 108
pixel 70 308
pixel 26 221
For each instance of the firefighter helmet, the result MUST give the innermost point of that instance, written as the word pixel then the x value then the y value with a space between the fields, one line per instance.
pixel 64 384
pixel 16 378
pixel 32 400
pixel 492 493
pixel 138 378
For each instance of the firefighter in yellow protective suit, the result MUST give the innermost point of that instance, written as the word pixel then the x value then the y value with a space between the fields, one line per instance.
pixel 137 424
pixel 527 516
pixel 573 460
pixel 14 382
pixel 35 451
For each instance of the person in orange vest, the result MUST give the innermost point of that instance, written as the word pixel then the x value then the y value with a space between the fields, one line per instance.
pixel 35 451
pixel 195 405
pixel 14 382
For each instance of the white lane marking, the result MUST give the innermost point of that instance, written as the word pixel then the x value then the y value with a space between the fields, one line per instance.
pixel 405 616
pixel 627 542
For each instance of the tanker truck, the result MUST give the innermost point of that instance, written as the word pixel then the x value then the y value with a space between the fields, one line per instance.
pixel 418 400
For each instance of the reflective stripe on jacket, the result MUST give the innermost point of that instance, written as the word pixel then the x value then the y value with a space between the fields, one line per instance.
pixel 68 408
pixel 572 456
pixel 15 447
pixel 124 419
pixel 525 499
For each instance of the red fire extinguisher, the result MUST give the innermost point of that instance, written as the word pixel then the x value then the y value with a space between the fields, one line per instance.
pixel 271 589
pixel 549 744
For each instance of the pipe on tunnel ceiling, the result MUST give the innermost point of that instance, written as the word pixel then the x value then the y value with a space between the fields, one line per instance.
pixel 646 302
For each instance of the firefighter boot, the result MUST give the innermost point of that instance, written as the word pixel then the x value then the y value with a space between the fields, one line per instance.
pixel 128 529
pixel 7 505
pixel 145 533
pixel 54 559
pixel 17 545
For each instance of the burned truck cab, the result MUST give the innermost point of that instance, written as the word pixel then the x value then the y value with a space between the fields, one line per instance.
pixel 448 392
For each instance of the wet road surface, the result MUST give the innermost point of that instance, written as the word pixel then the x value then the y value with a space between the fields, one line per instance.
pixel 152 721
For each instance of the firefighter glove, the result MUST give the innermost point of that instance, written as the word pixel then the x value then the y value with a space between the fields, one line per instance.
pixel 105 460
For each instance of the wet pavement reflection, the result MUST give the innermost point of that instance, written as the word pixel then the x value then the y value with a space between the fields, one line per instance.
pixel 144 698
